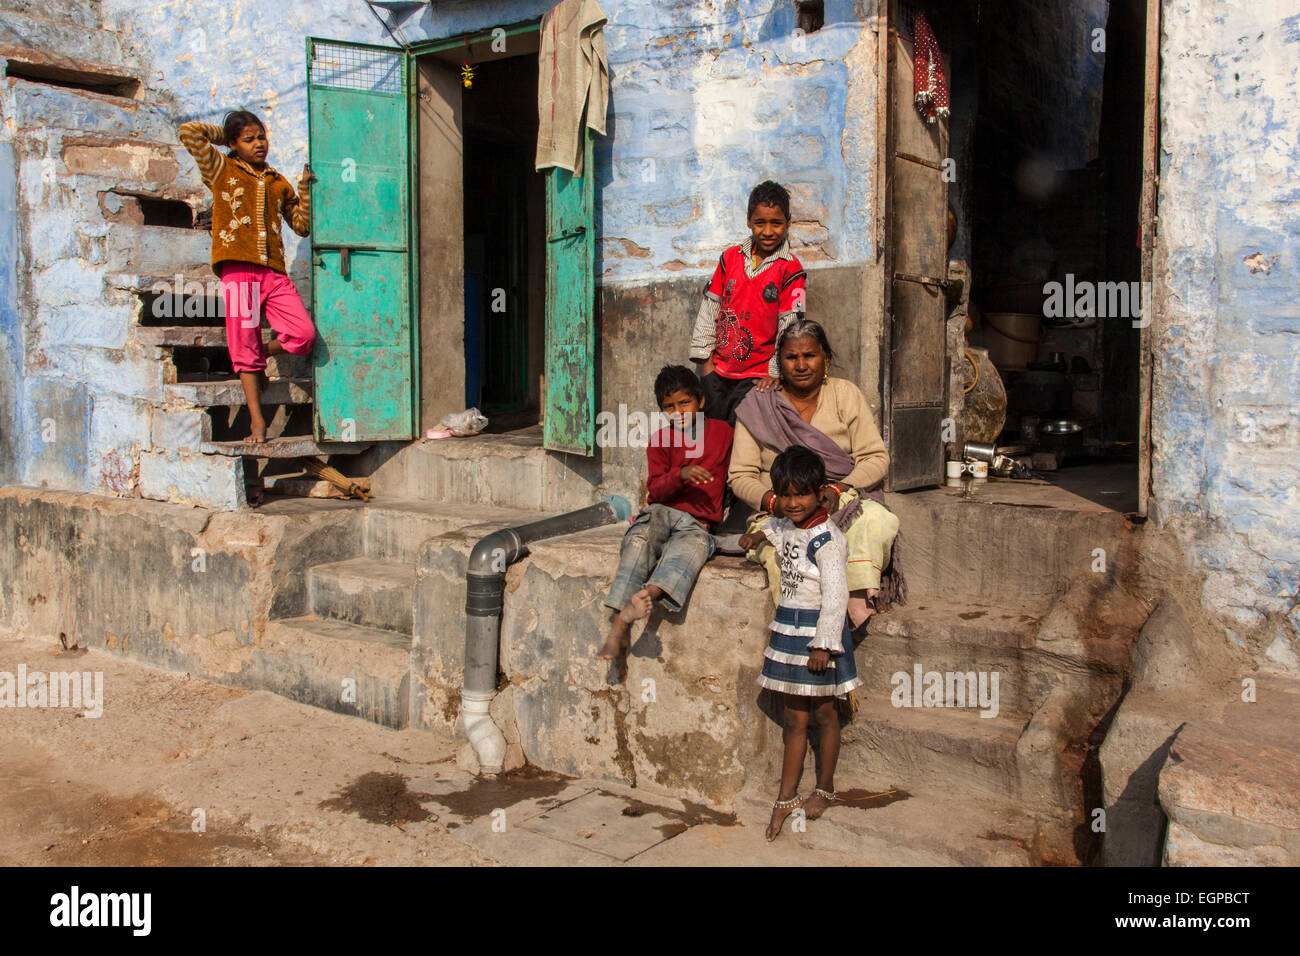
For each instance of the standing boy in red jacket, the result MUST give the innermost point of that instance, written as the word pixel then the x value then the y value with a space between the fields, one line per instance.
pixel 669 541
pixel 755 292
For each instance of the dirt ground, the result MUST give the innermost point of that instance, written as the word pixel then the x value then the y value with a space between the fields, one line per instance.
pixel 181 772
pixel 178 771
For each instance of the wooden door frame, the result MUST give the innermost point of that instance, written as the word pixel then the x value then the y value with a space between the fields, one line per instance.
pixel 884 183
pixel 1147 220
pixel 886 26
pixel 436 396
pixel 890 118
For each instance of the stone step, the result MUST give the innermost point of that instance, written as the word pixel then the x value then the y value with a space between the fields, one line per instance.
pixel 954 638
pixel 363 591
pixel 286 446
pixel 346 668
pixel 396 529
pixel 934 750
pixel 45 34
pixel 151 250
pixel 294 391
pixel 1014 545
pixel 510 470
pixel 196 336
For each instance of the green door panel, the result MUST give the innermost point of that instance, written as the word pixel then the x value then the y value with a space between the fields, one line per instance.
pixel 362 262
pixel 570 417
pixel 370 382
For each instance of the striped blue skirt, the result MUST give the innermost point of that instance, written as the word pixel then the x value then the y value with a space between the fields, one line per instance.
pixel 785 662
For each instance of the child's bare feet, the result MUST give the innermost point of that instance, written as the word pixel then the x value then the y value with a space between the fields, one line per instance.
pixel 617 640
pixel 780 810
pixel 640 606
pixel 817 803
pixel 257 431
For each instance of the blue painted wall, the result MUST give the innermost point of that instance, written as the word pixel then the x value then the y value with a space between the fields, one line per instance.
pixel 1226 386
pixel 10 320
pixel 707 100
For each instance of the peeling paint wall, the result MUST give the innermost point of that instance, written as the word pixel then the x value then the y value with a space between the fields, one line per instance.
pixel 708 98
pixel 10 320
pixel 1225 416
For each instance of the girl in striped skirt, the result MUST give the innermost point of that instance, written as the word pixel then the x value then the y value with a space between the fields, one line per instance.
pixel 809 656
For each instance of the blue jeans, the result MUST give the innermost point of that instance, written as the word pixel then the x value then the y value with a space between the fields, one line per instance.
pixel 664 547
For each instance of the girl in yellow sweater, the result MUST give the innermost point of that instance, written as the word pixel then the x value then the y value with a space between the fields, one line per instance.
pixel 249 199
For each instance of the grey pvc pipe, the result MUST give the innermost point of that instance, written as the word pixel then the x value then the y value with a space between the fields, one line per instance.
pixel 485 581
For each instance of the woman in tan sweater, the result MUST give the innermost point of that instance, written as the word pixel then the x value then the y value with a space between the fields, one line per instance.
pixel 831 416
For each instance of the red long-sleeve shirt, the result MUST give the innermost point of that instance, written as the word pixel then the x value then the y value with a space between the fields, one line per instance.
pixel 669 451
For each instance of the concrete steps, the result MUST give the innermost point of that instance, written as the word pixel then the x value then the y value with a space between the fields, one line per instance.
pixel 396 529
pixel 510 470
pixel 948 638
pixel 339 666
pixel 364 591
pixel 1015 545
pixel 292 391
pixel 936 750
pixel 358 625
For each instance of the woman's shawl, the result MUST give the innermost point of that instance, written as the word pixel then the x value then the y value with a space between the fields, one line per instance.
pixel 774 422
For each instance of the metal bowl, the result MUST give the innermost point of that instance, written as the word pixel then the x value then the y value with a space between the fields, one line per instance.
pixel 1062 426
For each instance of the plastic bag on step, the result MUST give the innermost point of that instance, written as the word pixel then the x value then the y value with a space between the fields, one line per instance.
pixel 469 422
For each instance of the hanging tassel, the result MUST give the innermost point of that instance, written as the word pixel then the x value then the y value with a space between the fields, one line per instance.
pixel 467 68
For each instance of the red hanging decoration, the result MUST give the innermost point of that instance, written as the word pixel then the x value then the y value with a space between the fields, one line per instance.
pixel 927 71
pixel 467 68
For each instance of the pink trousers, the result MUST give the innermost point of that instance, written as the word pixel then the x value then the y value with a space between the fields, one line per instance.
pixel 251 291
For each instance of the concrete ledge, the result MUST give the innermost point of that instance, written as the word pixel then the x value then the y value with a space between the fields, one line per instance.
pixel 349 669
pixel 504 471
pixel 1229 788
pixel 364 591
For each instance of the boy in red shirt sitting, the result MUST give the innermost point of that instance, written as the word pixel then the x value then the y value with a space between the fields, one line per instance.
pixel 755 292
pixel 669 541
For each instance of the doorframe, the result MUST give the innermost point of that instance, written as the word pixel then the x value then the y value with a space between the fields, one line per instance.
pixel 885 204
pixel 1148 220
pixel 477 46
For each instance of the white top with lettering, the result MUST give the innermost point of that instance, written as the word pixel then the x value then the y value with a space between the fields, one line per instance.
pixel 813 564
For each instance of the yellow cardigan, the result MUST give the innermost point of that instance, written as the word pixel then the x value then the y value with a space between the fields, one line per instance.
pixel 843 416
pixel 247 204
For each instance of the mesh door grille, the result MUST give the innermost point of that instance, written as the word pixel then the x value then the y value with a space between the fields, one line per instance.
pixel 356 68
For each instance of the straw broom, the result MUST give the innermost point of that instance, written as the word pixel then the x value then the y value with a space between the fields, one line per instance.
pixel 335 477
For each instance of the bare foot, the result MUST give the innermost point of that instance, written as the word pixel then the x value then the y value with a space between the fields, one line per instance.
pixel 815 805
pixel 616 641
pixel 257 432
pixel 639 607
pixel 779 814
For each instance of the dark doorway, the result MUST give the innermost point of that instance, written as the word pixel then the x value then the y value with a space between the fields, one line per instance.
pixel 1046 133
pixel 504 242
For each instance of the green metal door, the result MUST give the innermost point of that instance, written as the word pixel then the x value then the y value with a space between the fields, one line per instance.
pixel 570 299
pixel 359 122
